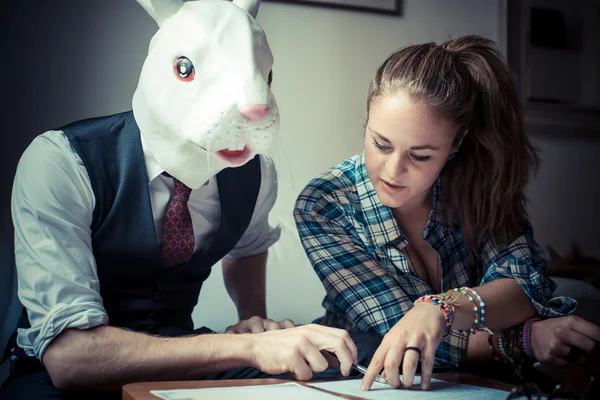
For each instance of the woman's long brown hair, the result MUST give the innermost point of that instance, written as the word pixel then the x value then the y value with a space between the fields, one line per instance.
pixel 467 81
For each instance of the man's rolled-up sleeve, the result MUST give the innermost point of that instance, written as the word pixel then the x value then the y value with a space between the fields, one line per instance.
pixel 52 208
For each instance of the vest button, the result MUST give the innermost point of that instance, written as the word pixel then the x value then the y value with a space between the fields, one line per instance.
pixel 150 323
pixel 151 313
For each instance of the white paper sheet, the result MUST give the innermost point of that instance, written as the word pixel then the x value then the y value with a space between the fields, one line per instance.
pixel 439 390
pixel 279 391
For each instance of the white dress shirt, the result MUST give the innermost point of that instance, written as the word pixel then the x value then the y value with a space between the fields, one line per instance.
pixel 52 209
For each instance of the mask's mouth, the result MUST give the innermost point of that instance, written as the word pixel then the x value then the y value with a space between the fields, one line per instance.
pixel 235 155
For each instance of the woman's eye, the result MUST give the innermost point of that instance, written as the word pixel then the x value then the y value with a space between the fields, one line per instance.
pixel 380 146
pixel 418 158
pixel 184 69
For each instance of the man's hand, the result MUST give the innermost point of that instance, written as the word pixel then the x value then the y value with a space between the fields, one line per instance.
pixel 258 325
pixel 298 350
pixel 563 341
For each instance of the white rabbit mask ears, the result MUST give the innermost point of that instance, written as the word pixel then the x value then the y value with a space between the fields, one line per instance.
pixel 161 10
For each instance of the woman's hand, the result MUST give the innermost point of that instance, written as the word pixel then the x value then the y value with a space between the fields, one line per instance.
pixel 419 331
pixel 563 341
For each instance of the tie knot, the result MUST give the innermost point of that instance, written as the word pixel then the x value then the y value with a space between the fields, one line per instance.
pixel 182 192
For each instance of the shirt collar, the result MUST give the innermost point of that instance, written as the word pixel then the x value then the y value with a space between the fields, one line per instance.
pixel 437 217
pixel 381 225
pixel 152 168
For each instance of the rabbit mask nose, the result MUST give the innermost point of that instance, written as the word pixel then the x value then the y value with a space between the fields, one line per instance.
pixel 254 112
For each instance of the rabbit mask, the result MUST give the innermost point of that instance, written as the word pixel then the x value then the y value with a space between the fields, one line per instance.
pixel 203 100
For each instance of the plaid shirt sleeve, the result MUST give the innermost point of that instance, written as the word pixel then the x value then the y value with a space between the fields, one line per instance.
pixel 359 288
pixel 353 279
pixel 524 261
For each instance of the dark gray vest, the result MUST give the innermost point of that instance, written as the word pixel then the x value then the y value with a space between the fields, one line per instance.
pixel 138 293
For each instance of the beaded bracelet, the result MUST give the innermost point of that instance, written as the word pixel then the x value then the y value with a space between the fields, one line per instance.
pixel 475 328
pixel 510 344
pixel 481 308
pixel 526 337
pixel 504 351
pixel 478 310
pixel 516 350
pixel 495 354
pixel 447 309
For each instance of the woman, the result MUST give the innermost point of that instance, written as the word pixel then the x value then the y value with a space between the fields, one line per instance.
pixel 424 236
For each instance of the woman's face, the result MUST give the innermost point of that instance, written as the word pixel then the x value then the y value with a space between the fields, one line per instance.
pixel 406 147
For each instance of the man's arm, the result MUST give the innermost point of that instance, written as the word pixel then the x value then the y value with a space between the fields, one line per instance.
pixel 244 268
pixel 107 358
pixel 245 280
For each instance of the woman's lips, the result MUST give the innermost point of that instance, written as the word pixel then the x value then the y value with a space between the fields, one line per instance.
pixel 392 188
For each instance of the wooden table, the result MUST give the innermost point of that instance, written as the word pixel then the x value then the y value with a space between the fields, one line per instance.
pixel 141 391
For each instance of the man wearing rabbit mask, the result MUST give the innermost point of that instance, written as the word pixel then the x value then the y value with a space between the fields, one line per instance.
pixel 119 219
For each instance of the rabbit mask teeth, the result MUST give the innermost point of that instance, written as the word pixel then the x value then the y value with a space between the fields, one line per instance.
pixel 237 146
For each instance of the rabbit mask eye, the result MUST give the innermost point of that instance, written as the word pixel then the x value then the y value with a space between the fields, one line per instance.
pixel 270 79
pixel 184 69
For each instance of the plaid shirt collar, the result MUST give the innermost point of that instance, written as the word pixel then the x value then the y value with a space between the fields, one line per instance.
pixel 381 226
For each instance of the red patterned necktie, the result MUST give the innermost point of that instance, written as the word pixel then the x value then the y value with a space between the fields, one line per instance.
pixel 178 236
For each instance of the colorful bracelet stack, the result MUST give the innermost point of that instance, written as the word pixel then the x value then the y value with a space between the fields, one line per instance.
pixel 509 347
pixel 478 309
pixel 526 337
pixel 513 344
pixel 446 308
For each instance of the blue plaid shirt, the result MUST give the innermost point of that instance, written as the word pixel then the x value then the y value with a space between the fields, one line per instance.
pixel 354 244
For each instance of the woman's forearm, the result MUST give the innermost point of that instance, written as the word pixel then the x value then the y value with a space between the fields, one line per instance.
pixel 478 349
pixel 506 305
